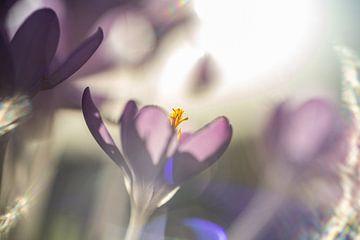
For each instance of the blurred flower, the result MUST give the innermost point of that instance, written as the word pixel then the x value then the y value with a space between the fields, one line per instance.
pixel 156 162
pixel 308 134
pixel 205 75
pixel 28 64
pixel 128 23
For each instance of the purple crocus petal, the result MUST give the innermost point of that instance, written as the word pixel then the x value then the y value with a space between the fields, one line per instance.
pixel 134 147
pixel 145 136
pixel 33 47
pixel 74 62
pixel 6 69
pixel 205 230
pixel 198 151
pixel 273 129
pixel 207 141
pixel 127 126
pixel 153 127
pixel 308 129
pixel 98 130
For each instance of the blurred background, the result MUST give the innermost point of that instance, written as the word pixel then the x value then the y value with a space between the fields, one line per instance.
pixel 233 58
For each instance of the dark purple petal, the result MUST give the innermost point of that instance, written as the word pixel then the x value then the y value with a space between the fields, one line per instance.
pixel 33 47
pixel 127 122
pixel 205 230
pixel 199 151
pixel 98 130
pixel 6 69
pixel 133 147
pixel 76 59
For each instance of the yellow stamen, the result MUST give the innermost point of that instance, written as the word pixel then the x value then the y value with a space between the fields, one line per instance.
pixel 176 117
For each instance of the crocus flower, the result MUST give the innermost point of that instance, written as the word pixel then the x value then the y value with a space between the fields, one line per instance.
pixel 309 133
pixel 156 158
pixel 28 64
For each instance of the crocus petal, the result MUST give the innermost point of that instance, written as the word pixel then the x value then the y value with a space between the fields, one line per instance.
pixel 98 130
pixel 208 140
pixel 127 127
pixel 144 136
pixel 74 62
pixel 6 69
pixel 153 126
pixel 133 147
pixel 308 129
pixel 33 47
pixel 205 230
pixel 272 132
pixel 198 151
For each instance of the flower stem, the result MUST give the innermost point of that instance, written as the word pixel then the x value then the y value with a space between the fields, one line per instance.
pixel 138 219
pixel 3 144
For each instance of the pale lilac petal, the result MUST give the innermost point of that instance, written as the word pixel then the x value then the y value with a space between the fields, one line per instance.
pixel 198 152
pixel 308 129
pixel 208 140
pixel 154 129
pixel 76 60
pixel 98 130
pixel 33 47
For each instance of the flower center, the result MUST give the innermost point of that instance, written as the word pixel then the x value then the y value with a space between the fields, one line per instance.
pixel 176 118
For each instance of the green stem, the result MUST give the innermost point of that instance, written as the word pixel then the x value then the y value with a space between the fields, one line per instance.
pixel 138 219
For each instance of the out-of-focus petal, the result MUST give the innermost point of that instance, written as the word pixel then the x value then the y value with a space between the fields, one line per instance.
pixel 309 129
pixel 99 131
pixel 313 132
pixel 272 131
pixel 33 47
pixel 205 230
pixel 6 69
pixel 5 5
pixel 76 59
pixel 198 151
